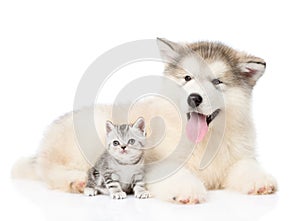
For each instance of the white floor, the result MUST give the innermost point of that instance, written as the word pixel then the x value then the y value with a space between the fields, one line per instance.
pixel 33 201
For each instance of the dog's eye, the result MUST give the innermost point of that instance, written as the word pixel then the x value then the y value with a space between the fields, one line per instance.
pixel 131 141
pixel 216 81
pixel 187 78
pixel 116 143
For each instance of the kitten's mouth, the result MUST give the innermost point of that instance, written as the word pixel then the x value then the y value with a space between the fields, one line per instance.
pixel 123 151
pixel 197 125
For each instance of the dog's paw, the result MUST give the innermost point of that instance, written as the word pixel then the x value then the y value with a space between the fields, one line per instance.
pixel 182 187
pixel 118 195
pixel 142 194
pixel 199 196
pixel 88 191
pixel 189 200
pixel 249 178
pixel 258 184
pixel 263 185
pixel 77 186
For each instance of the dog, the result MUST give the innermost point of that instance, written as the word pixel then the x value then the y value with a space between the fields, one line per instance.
pixel 218 82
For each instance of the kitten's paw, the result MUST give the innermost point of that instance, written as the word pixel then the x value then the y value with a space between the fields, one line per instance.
pixel 119 195
pixel 88 191
pixel 142 195
pixel 77 186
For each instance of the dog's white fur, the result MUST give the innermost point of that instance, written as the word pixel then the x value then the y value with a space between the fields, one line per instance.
pixel 60 163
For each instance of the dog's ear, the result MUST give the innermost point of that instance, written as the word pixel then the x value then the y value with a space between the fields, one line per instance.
pixel 169 51
pixel 251 68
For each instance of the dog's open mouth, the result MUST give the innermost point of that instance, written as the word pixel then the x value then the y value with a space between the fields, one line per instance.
pixel 197 125
pixel 209 118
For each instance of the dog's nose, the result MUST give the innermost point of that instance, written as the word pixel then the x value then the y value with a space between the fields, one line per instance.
pixel 194 100
pixel 123 147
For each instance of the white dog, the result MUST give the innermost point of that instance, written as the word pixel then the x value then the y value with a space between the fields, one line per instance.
pixel 218 81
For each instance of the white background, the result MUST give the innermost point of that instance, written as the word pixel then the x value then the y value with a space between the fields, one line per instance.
pixel 45 48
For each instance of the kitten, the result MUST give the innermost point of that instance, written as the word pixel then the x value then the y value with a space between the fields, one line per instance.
pixel 120 169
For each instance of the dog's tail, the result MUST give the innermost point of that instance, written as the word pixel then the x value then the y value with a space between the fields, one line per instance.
pixel 24 168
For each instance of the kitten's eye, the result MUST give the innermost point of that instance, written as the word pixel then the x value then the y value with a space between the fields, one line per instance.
pixel 187 78
pixel 131 141
pixel 116 143
pixel 216 81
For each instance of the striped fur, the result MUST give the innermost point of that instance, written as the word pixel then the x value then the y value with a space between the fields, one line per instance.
pixel 120 169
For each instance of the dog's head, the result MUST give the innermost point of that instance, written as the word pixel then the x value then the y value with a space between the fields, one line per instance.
pixel 216 78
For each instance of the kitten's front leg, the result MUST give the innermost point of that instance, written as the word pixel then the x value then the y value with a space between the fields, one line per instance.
pixel 93 179
pixel 139 187
pixel 90 191
pixel 113 187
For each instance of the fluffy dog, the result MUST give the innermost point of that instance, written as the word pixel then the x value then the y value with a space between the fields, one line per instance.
pixel 218 82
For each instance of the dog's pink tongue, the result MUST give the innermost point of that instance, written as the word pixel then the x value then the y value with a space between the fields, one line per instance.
pixel 196 127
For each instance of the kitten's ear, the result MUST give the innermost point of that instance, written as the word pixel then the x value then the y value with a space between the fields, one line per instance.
pixel 109 126
pixel 252 68
pixel 169 51
pixel 140 124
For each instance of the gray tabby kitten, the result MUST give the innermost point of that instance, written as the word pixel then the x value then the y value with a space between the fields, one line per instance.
pixel 120 169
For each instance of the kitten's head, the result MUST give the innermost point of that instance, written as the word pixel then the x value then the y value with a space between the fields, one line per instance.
pixel 125 142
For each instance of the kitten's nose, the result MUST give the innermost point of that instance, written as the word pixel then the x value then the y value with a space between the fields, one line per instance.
pixel 123 147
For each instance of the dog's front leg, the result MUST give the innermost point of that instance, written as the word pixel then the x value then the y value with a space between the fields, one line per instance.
pixel 182 187
pixel 247 176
